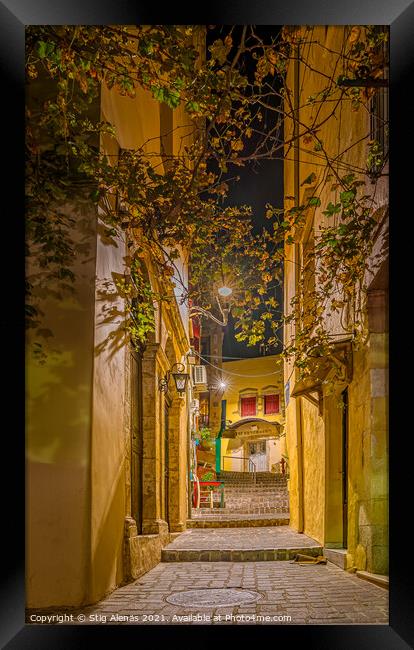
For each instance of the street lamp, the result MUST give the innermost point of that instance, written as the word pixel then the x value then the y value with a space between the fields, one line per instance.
pixel 222 291
pixel 180 379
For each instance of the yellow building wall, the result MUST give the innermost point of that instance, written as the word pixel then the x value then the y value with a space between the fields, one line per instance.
pixel 262 366
pixel 59 395
pixel 260 374
pixel 313 471
pixel 79 418
pixel 368 458
pixel 294 467
pixel 321 509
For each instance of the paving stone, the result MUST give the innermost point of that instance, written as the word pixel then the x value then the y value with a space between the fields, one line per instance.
pixel 285 589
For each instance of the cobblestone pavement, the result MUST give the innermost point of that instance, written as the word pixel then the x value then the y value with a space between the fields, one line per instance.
pixel 287 594
pixel 267 537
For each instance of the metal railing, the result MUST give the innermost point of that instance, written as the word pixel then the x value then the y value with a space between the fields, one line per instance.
pixel 251 466
pixel 203 420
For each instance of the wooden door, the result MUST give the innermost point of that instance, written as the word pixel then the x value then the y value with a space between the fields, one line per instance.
pixel 136 438
pixel 345 469
pixel 257 454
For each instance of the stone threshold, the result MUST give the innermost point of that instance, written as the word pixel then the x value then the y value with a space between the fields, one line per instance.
pixel 375 578
pixel 336 556
pixel 230 522
pixel 239 555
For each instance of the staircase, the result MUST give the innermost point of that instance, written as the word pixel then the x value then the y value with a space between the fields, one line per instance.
pixel 249 500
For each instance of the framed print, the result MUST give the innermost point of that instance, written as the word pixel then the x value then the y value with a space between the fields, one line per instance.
pixel 205 347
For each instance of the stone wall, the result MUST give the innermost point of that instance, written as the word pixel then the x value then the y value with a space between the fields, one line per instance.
pixel 321 452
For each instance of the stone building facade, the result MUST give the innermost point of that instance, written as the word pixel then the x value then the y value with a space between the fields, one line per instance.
pixel 107 450
pixel 337 420
pixel 254 414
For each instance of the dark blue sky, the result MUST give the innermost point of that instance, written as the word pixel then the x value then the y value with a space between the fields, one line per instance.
pixel 260 182
pixel 258 185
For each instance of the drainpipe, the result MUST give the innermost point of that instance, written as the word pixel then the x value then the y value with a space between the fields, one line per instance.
pixel 298 404
pixel 189 451
pixel 220 434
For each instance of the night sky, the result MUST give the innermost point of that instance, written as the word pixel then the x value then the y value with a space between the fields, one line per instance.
pixel 260 182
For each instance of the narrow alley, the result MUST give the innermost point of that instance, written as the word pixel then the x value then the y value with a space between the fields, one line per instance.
pixel 274 592
pixel 207 279
pixel 236 565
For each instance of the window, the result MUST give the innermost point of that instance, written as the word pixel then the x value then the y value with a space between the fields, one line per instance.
pixel 257 447
pixel 379 145
pixel 248 406
pixel 271 404
pixel 205 349
pixel 203 418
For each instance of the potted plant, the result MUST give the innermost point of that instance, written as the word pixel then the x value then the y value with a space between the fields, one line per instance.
pixel 207 440
pixel 208 476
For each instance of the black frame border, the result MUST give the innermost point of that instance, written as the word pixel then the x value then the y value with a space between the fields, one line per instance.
pixel 14 15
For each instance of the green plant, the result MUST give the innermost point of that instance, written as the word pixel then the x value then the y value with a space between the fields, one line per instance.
pixel 205 434
pixel 208 476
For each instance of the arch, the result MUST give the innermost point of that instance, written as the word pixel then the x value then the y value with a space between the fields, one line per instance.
pixel 246 391
pixel 170 351
pixel 242 423
pixel 267 389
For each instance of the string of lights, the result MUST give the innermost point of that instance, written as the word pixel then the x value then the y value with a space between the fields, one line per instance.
pixel 235 374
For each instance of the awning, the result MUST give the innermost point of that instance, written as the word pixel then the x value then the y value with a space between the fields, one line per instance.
pixel 335 367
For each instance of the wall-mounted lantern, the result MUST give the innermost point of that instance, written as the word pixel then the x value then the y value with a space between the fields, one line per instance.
pixel 180 379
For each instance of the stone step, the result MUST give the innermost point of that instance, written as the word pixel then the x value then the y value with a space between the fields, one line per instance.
pixel 255 499
pixel 254 507
pixel 238 544
pixel 249 477
pixel 239 521
pixel 256 496
pixel 251 481
pixel 251 485
pixel 255 488
pixel 243 509
pixel 251 493
pixel 231 474
pixel 239 555
pixel 336 556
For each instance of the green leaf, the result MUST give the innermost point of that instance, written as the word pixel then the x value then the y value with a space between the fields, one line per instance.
pixel 347 197
pixel 347 180
pixel 44 49
pixel 332 209
pixel 314 200
pixel 309 179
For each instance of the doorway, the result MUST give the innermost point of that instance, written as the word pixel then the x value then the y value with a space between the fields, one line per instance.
pixel 136 438
pixel 257 454
pixel 166 460
pixel 345 468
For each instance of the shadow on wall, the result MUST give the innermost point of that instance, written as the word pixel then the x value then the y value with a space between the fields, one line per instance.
pixel 110 317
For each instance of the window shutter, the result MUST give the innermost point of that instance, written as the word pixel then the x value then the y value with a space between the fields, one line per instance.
pixel 248 406
pixel 271 404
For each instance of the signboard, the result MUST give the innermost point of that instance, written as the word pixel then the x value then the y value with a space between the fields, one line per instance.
pixel 287 393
